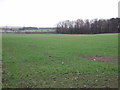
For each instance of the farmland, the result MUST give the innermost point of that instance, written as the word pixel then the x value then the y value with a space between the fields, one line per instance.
pixel 60 61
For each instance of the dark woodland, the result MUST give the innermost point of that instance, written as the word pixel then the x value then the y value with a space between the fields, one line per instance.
pixel 89 26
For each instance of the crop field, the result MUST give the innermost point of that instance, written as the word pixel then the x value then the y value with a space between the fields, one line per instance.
pixel 60 61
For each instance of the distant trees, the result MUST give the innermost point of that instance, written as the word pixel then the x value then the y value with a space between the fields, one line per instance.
pixel 28 28
pixel 89 26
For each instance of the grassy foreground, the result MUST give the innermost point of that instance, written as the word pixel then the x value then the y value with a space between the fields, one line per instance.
pixel 43 61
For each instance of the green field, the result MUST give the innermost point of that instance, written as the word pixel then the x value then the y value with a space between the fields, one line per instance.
pixel 56 61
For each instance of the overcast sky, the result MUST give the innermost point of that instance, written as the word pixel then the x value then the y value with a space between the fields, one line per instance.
pixel 47 13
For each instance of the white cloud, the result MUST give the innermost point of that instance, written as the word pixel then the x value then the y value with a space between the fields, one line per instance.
pixel 45 13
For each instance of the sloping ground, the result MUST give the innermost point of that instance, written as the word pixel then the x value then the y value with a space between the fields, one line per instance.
pixel 54 61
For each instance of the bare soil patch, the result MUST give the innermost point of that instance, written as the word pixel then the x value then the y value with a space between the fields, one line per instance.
pixel 101 58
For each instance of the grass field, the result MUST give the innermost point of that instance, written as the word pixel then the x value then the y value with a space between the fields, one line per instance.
pixel 57 61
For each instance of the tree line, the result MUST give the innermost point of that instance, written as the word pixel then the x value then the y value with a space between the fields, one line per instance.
pixel 95 26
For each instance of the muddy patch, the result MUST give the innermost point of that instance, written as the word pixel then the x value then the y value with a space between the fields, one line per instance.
pixel 101 58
